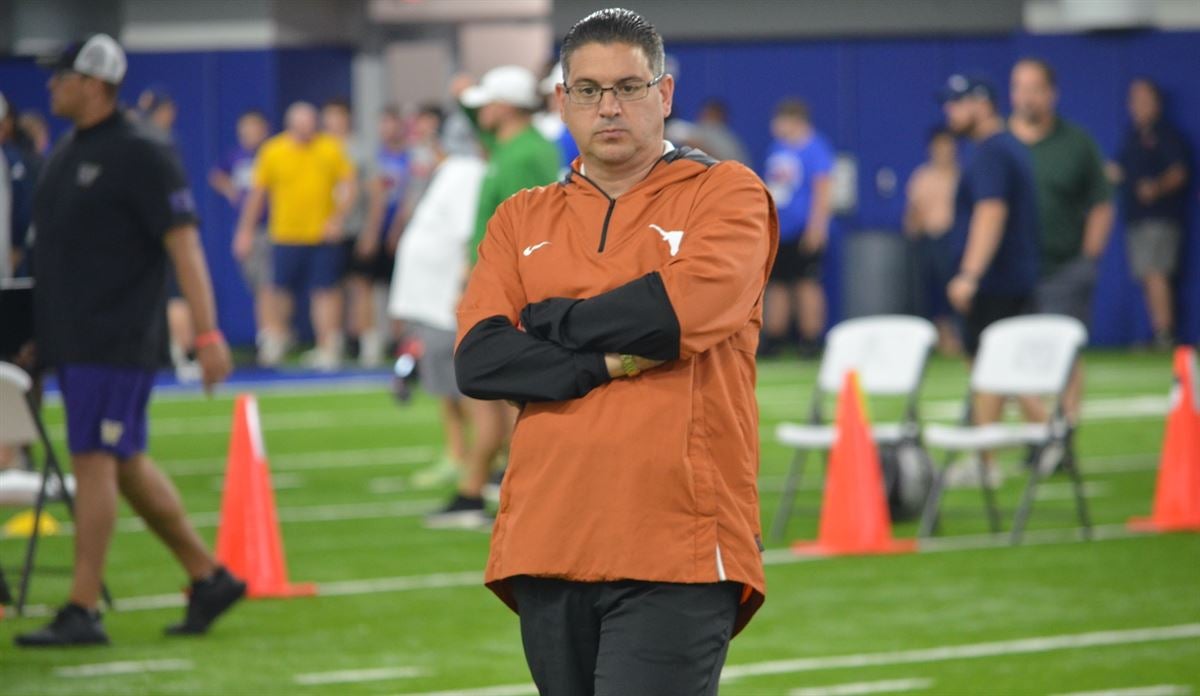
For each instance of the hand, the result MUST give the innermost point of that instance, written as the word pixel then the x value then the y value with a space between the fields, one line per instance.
pixel 365 247
pixel 459 84
pixel 813 240
pixel 616 370
pixel 961 292
pixel 333 230
pixel 243 244
pixel 1147 191
pixel 215 364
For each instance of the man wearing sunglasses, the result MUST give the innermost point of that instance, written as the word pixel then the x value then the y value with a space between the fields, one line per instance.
pixel 111 210
pixel 621 308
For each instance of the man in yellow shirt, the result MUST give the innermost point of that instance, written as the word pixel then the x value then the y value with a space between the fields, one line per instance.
pixel 309 180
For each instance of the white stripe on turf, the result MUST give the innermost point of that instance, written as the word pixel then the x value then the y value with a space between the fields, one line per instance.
pixel 474 578
pixel 970 542
pixel 310 513
pixel 357 676
pixel 1020 646
pixel 1155 690
pixel 886 686
pixel 104 669
pixel 502 690
pixel 309 461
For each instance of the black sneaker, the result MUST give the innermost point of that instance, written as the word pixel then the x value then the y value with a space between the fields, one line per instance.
pixel 461 513
pixel 207 600
pixel 72 625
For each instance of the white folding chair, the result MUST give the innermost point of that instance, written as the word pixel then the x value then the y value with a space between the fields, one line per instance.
pixel 20 426
pixel 1022 356
pixel 889 353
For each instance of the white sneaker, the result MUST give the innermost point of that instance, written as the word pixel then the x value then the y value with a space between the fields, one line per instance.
pixel 964 473
pixel 370 350
pixel 188 372
pixel 271 349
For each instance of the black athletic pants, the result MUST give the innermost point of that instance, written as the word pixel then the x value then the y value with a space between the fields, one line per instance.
pixel 625 638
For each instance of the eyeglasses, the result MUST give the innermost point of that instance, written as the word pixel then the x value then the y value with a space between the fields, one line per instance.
pixel 589 93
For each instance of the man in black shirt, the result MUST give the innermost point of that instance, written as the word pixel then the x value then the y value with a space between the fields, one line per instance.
pixel 1152 167
pixel 111 208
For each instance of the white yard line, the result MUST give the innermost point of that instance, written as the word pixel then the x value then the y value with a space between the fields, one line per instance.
pixel 1020 646
pixel 1155 690
pixel 886 686
pixel 104 669
pixel 308 513
pixel 310 461
pixel 357 676
pixel 474 578
pixel 972 542
pixel 502 690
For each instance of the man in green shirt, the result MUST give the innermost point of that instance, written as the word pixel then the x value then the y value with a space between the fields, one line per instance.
pixel 501 107
pixel 1074 201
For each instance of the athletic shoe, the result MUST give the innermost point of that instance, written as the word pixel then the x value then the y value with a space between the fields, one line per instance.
pixel 491 489
pixel 371 349
pixel 72 625
pixel 443 473
pixel 207 600
pixel 964 473
pixel 272 349
pixel 461 513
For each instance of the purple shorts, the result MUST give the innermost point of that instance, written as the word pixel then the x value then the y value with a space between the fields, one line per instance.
pixel 106 408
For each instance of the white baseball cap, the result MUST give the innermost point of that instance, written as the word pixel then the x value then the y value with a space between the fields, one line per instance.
pixel 100 56
pixel 549 82
pixel 508 84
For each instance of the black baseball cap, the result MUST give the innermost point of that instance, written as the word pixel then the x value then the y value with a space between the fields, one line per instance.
pixel 98 56
pixel 960 86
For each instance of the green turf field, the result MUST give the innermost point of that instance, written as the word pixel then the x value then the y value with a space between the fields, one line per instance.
pixel 402 610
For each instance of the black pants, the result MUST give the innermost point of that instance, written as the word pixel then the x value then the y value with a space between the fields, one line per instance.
pixel 625 638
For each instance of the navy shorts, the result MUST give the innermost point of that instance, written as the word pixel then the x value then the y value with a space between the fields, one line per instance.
pixel 302 268
pixel 106 408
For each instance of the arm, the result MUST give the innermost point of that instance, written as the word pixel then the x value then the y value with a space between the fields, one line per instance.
pixel 1170 181
pixel 983 238
pixel 183 246
pixel 911 221
pixel 222 183
pixel 243 239
pixel 344 197
pixel 700 297
pixel 817 232
pixel 1097 229
pixel 376 202
pixel 496 360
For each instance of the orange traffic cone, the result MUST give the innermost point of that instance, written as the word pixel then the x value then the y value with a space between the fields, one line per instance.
pixel 1177 496
pixel 248 541
pixel 854 513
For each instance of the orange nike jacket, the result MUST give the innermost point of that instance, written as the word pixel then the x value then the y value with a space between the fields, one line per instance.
pixel 650 478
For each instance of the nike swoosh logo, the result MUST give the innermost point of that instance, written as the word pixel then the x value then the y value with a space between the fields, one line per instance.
pixel 530 249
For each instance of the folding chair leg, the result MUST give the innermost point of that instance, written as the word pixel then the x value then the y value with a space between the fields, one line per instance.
pixel 989 497
pixel 31 547
pixel 929 517
pixel 5 595
pixel 1085 519
pixel 1026 506
pixel 788 501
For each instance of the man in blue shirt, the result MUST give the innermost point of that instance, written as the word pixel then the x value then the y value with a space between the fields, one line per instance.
pixel 1152 167
pixel 995 226
pixel 798 173
pixel 233 178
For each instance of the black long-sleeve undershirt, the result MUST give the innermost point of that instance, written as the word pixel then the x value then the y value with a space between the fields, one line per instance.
pixel 635 318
